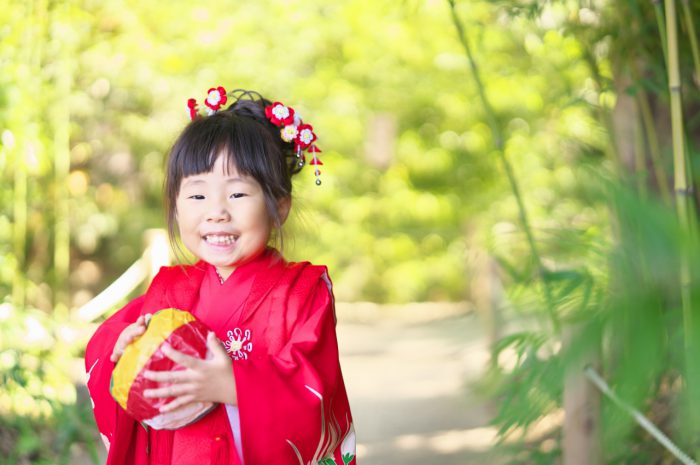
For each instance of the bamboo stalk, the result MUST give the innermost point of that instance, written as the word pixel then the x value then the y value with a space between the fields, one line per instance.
pixel 659 13
pixel 654 147
pixel 19 228
pixel 690 25
pixel 679 155
pixel 19 198
pixel 603 114
pixel 652 137
pixel 499 142
pixel 683 206
pixel 640 168
pixel 61 132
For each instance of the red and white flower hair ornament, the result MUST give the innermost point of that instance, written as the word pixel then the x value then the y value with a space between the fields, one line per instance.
pixel 279 114
pixel 294 130
pixel 289 133
pixel 292 127
pixel 306 136
pixel 216 97
pixel 192 106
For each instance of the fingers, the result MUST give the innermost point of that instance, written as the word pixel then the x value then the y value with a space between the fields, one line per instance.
pixel 136 331
pixel 178 376
pixel 215 345
pixel 126 337
pixel 174 390
pixel 140 322
pixel 177 403
pixel 180 358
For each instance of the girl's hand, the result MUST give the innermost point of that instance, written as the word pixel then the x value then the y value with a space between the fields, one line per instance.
pixel 209 380
pixel 129 333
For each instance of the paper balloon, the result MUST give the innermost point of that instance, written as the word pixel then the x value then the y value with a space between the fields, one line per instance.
pixel 185 334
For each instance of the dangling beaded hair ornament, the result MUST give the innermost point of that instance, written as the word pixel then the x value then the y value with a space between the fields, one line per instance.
pixel 292 128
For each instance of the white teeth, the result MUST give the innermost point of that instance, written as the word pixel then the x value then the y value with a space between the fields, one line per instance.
pixel 220 240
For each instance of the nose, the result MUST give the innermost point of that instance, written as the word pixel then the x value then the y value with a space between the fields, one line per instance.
pixel 218 213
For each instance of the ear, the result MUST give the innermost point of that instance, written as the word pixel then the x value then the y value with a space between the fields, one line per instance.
pixel 283 206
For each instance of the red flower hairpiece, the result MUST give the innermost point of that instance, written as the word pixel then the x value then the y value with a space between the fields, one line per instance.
pixel 279 114
pixel 294 130
pixel 305 136
pixel 292 127
pixel 216 97
pixel 192 106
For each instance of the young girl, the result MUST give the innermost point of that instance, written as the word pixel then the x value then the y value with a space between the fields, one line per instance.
pixel 275 380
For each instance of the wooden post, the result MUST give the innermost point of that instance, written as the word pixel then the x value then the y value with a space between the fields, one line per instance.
pixel 486 290
pixel 582 439
pixel 156 251
pixel 381 140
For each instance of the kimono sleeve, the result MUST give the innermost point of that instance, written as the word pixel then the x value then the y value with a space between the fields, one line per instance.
pixel 99 367
pixel 292 401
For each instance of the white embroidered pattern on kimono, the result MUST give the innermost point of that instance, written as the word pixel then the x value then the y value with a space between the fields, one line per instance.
pixel 238 344
pixel 331 438
pixel 87 380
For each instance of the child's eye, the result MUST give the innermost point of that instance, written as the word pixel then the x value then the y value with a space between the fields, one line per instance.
pixel 196 197
pixel 237 195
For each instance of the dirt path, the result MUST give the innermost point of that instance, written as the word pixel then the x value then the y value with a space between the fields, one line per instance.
pixel 409 385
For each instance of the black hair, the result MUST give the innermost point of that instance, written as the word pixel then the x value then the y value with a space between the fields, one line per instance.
pixel 250 143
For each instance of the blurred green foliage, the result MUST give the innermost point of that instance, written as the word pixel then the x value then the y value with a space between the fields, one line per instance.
pixel 93 93
pixel 393 226
pixel 40 421
pixel 410 182
pixel 618 295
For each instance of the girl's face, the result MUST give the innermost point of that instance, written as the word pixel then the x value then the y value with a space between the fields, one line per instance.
pixel 222 217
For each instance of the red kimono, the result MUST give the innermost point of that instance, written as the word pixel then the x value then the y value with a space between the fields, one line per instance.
pixel 277 322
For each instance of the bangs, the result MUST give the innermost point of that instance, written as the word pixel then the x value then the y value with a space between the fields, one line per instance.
pixel 205 140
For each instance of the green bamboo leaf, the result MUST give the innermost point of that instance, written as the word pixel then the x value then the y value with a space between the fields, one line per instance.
pixel 509 268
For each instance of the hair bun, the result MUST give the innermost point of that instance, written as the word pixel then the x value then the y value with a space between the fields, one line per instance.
pixel 251 104
pixel 251 108
pixel 291 136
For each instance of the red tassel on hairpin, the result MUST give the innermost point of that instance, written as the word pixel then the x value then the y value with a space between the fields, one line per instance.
pixel 192 106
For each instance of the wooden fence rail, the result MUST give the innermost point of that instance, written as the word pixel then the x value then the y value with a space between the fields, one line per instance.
pixel 156 254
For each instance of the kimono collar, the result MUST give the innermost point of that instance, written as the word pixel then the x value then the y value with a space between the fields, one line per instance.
pixel 178 286
pixel 266 260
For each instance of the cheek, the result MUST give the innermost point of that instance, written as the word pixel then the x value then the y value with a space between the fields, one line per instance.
pixel 254 215
pixel 265 221
pixel 260 221
pixel 184 221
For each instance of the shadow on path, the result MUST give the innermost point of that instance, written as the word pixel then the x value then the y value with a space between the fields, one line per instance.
pixel 409 387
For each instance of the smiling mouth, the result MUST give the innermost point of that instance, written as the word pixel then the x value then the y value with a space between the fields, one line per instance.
pixel 220 239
